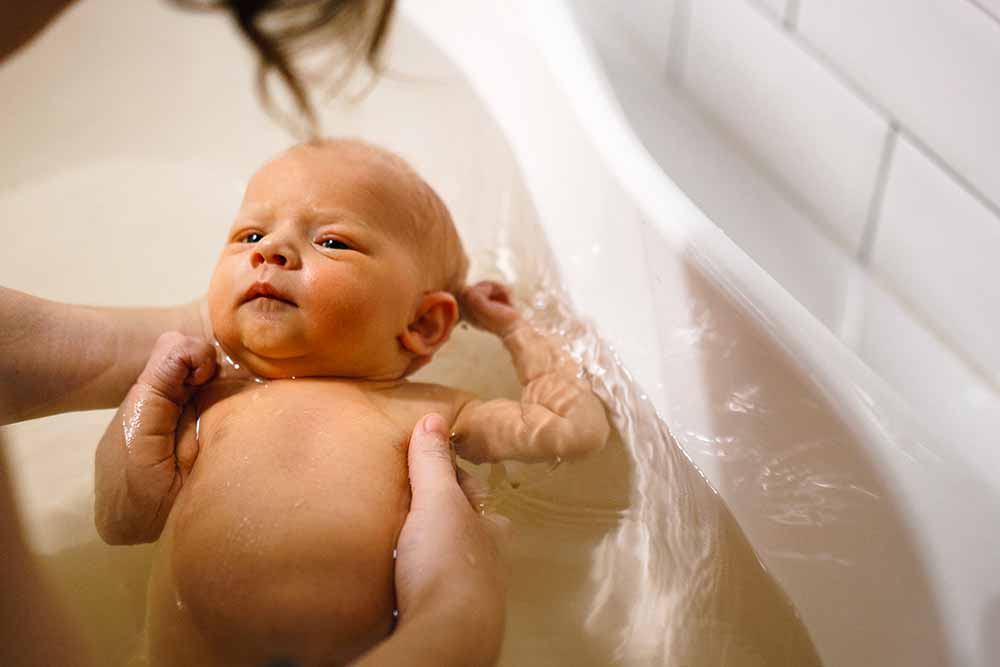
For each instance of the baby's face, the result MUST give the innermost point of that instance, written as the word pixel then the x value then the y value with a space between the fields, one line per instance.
pixel 317 276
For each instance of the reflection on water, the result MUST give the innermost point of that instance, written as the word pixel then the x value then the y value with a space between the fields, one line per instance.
pixel 629 557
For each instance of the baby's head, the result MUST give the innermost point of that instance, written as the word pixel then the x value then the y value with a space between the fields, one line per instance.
pixel 342 262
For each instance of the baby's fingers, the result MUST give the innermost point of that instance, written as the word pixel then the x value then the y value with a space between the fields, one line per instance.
pixel 497 292
pixel 177 363
pixel 484 292
pixel 202 362
pixel 488 305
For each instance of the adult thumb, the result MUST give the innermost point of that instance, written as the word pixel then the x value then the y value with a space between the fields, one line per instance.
pixel 432 466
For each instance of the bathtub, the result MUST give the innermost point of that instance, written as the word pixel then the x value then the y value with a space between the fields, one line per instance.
pixel 131 127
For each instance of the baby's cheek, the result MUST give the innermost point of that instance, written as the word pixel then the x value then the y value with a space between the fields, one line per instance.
pixel 219 308
pixel 354 314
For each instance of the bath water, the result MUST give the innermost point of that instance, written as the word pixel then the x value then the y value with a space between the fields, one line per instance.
pixel 626 557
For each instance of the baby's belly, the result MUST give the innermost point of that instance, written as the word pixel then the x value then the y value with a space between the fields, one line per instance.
pixel 281 542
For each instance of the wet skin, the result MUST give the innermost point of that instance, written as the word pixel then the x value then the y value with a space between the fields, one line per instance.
pixel 277 523
pixel 300 487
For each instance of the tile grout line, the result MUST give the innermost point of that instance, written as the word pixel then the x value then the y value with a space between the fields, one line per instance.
pixel 960 180
pixel 896 130
pixel 917 313
pixel 878 197
pixel 829 65
pixel 678 40
pixel 866 97
pixel 989 12
pixel 791 21
pixel 816 220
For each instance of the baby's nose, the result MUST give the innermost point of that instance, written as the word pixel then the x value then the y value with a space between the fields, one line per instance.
pixel 274 251
pixel 268 256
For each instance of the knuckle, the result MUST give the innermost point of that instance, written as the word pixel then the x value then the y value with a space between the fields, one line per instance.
pixel 174 360
pixel 169 339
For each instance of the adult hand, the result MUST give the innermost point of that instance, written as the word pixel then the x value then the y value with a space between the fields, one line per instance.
pixel 57 357
pixel 450 580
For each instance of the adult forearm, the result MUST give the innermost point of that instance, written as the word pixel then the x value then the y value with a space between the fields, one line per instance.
pixel 57 357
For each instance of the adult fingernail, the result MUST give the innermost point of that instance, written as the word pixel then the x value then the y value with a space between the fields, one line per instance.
pixel 434 423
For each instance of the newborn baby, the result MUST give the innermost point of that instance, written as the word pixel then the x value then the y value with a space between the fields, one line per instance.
pixel 277 496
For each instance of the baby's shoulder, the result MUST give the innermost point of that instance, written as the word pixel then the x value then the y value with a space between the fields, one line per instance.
pixel 420 398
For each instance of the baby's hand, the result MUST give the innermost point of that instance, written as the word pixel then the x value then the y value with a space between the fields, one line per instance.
pixel 149 448
pixel 487 305
pixel 177 365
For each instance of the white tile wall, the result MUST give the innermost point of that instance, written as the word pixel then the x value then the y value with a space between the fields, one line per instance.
pixel 934 64
pixel 991 7
pixel 956 402
pixel 958 406
pixel 817 138
pixel 807 107
pixel 940 248
pixel 777 7
pixel 733 193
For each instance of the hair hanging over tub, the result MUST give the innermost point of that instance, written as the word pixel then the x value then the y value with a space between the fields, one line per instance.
pixel 351 31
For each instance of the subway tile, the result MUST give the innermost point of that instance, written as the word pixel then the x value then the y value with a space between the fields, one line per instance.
pixel 937 245
pixel 932 65
pixel 778 8
pixel 954 404
pixel 726 184
pixel 989 7
pixel 812 134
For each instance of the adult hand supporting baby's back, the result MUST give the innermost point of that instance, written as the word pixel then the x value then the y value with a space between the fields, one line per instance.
pixel 450 575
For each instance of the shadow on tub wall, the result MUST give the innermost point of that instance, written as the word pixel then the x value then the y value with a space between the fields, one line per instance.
pixel 991 633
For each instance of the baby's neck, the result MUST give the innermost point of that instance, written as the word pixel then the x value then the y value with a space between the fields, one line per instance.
pixel 236 366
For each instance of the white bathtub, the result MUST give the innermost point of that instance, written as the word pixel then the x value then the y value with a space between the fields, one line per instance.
pixel 130 127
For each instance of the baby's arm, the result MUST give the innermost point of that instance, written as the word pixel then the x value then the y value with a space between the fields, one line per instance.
pixel 558 414
pixel 149 447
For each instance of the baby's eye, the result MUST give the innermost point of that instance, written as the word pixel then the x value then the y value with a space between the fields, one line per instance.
pixel 334 244
pixel 252 237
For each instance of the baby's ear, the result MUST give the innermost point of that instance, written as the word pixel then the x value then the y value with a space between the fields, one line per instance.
pixel 436 314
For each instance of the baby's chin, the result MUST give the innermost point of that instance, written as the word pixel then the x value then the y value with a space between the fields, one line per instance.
pixel 269 353
pixel 262 357
pixel 279 364
pixel 272 369
pixel 276 362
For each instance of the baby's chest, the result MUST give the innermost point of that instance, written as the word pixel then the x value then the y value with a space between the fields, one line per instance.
pixel 299 428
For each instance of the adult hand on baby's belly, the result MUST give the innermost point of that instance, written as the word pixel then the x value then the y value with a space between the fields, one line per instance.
pixel 464 563
pixel 449 574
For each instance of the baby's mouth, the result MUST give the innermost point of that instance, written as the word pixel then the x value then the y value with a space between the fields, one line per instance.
pixel 262 290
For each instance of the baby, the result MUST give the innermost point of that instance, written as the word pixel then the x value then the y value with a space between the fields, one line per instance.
pixel 277 497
